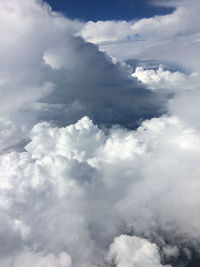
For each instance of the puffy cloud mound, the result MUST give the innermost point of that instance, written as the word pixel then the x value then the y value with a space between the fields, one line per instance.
pixel 56 195
pixel 77 186
pixel 130 251
pixel 159 78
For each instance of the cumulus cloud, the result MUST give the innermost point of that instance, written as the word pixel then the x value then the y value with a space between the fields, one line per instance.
pixel 159 37
pixel 48 74
pixel 159 78
pixel 134 251
pixel 56 195
pixel 106 31
pixel 95 168
pixel 184 87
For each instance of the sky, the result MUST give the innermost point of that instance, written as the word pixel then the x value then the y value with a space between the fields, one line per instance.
pixel 108 10
pixel 99 134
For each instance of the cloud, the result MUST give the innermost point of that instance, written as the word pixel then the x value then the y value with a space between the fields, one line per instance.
pixel 106 31
pixel 56 195
pixel 160 78
pixel 47 73
pixel 165 37
pixel 37 260
pixel 94 166
pixel 134 251
pixel 186 106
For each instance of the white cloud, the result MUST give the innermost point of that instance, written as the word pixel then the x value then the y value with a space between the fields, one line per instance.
pixel 127 251
pixel 67 192
pixel 55 197
pixel 173 37
pixel 106 31
pixel 186 105
pixel 160 78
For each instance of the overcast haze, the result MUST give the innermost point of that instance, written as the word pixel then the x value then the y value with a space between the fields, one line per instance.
pixel 99 134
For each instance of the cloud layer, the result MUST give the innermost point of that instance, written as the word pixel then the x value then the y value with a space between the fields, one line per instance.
pixel 160 37
pixel 99 160
pixel 55 197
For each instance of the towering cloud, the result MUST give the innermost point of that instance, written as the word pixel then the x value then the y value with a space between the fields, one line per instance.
pixel 99 160
pixel 48 74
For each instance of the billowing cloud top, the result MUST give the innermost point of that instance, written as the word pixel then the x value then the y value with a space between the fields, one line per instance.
pixel 99 157
pixel 159 37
